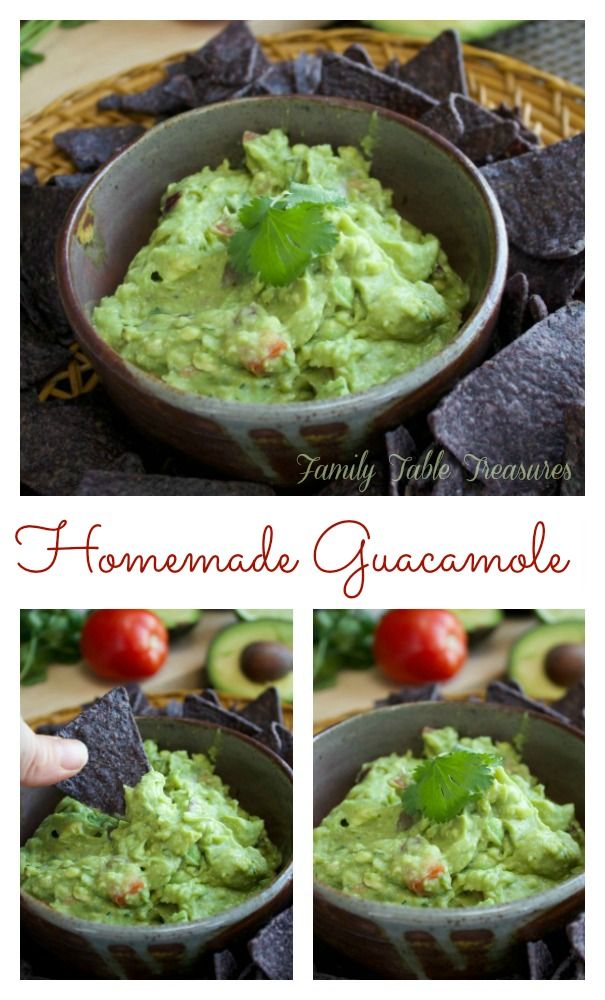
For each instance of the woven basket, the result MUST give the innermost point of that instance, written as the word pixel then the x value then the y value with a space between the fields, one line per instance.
pixel 64 715
pixel 552 107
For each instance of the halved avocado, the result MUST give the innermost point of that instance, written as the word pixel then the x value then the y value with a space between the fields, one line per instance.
pixel 527 657
pixel 252 615
pixel 550 616
pixel 428 29
pixel 228 658
pixel 178 621
pixel 478 623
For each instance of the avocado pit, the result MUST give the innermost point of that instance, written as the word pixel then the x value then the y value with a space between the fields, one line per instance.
pixel 564 664
pixel 264 662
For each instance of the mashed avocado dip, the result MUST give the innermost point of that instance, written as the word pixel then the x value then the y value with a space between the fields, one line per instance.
pixel 383 300
pixel 511 842
pixel 184 850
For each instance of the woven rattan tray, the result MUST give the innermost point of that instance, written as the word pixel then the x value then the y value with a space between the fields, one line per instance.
pixel 553 107
pixel 63 715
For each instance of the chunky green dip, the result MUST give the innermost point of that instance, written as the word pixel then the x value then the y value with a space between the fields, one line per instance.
pixel 511 842
pixel 382 301
pixel 185 849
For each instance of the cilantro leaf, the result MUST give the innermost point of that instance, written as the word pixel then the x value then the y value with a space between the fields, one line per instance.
pixel 445 784
pixel 278 240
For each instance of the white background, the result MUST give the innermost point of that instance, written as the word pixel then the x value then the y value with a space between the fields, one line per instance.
pixel 574 528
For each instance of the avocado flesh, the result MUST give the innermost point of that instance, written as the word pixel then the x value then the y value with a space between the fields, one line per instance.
pixel 428 29
pixel 478 623
pixel 223 669
pixel 553 615
pixel 178 620
pixel 528 655
pixel 253 614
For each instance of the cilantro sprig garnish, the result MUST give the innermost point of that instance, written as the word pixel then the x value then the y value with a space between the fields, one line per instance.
pixel 445 784
pixel 281 236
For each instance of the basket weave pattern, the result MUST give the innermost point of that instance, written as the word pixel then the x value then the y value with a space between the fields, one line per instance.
pixel 552 107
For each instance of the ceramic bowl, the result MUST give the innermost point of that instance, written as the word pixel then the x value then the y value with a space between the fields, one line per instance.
pixel 406 942
pixel 260 781
pixel 434 186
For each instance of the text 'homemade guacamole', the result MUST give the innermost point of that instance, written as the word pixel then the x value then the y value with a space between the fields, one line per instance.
pixel 183 850
pixel 510 842
pixel 380 302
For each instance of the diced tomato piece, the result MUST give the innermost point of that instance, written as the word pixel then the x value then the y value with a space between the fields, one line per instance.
pixel 417 885
pixel 134 887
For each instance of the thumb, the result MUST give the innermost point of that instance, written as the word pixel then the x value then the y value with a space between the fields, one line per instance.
pixel 45 760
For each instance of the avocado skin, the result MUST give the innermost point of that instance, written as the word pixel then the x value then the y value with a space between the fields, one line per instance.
pixel 527 657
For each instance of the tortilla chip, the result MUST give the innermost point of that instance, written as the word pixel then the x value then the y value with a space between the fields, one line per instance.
pixel 43 210
pixel 28 177
pixel 307 73
pixel 572 704
pixel 109 482
pixel 541 195
pixel 437 69
pixel 271 949
pixel 514 114
pixel 508 692
pixel 233 57
pixel 90 148
pixel 359 53
pixel 488 143
pixel 264 710
pixel 540 960
pixel 511 410
pixel 399 445
pixel 342 77
pixel 445 119
pixel 153 101
pixel 459 482
pixel 574 451
pixel 139 702
pixel 195 707
pixel 555 281
pixel 40 356
pixel 116 756
pixel 410 693
pixel 513 307
pixel 286 740
pixel 61 439
pixel 537 308
pixel 576 934
pixel 225 965
pixel 72 182
pixel 278 79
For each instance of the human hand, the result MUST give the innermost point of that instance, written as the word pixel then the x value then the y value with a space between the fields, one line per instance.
pixel 45 760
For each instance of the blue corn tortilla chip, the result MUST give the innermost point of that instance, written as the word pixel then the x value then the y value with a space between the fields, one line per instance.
pixel 539 960
pixel 437 68
pixel 271 948
pixel 28 177
pixel 510 412
pixel 488 143
pixel 90 148
pixel 153 101
pixel 61 438
pixel 40 355
pixel 508 692
pixel 342 77
pixel 43 210
pixel 445 119
pixel 71 182
pixel 541 195
pixel 514 114
pixel 555 281
pixel 513 308
pixel 399 445
pixel 307 73
pixel 233 57
pixel 263 710
pixel 115 483
pixel 195 707
pixel 410 693
pixel 572 704
pixel 359 53
pixel 286 740
pixel 576 934
pixel 574 451
pixel 116 756
pixel 537 308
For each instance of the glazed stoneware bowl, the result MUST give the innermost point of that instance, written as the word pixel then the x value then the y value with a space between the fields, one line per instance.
pixel 434 186
pixel 406 942
pixel 263 785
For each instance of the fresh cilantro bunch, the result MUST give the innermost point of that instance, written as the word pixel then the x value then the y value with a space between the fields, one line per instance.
pixel 30 34
pixel 445 784
pixel 341 640
pixel 49 636
pixel 280 236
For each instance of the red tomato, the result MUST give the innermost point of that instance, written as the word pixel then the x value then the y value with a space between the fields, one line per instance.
pixel 124 645
pixel 413 647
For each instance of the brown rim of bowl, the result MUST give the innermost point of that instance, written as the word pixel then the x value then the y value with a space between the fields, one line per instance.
pixel 283 879
pixel 399 386
pixel 371 908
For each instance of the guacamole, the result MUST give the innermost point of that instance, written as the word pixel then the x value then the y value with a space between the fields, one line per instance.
pixel 383 300
pixel 511 842
pixel 185 849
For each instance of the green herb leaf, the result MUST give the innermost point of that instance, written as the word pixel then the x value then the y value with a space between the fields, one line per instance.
pixel 48 636
pixel 341 640
pixel 445 784
pixel 279 240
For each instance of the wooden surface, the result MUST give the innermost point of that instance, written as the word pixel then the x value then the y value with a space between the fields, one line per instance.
pixel 67 686
pixel 357 690
pixel 102 48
